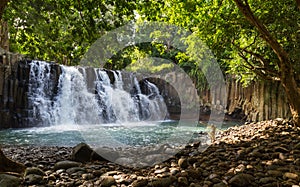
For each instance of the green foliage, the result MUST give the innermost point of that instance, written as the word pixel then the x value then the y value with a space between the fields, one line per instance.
pixel 239 48
pixel 62 30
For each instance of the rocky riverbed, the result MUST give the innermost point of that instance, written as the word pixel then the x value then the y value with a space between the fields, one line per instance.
pixel 263 154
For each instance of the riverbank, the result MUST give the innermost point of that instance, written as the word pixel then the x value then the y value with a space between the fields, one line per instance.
pixel 257 154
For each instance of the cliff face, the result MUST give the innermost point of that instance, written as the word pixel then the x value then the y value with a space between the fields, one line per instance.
pixel 13 91
pixel 259 101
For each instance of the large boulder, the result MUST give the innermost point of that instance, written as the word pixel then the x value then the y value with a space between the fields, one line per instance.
pixel 81 153
pixel 9 181
pixel 84 153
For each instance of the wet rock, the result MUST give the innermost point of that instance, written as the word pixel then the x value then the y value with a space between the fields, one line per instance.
pixel 9 181
pixel 241 180
pixel 75 169
pixel 66 165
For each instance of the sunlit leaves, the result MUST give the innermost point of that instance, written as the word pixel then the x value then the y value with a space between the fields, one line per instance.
pixel 62 30
pixel 239 48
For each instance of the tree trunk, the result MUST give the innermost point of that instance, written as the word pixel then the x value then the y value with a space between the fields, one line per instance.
pixel 4 42
pixel 293 94
pixel 298 4
pixel 7 165
pixel 3 4
pixel 284 63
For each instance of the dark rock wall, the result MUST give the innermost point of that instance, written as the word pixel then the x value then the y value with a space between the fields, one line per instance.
pixel 13 91
pixel 262 100
pixel 259 101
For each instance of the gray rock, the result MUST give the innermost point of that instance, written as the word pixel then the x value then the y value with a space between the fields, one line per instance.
pixel 74 170
pixel 241 180
pixel 66 165
pixel 34 170
pixel 34 179
pixel 9 181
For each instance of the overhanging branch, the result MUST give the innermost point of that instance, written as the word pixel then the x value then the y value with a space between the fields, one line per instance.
pixel 244 7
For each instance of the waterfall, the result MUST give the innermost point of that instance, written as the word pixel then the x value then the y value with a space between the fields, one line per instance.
pixel 90 96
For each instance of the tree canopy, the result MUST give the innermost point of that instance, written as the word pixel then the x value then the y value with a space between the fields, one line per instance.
pixel 62 30
pixel 251 39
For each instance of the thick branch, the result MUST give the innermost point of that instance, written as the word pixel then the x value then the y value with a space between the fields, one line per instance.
pixel 264 73
pixel 298 4
pixel 264 66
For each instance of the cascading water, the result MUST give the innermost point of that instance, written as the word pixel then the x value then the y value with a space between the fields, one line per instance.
pixel 81 97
